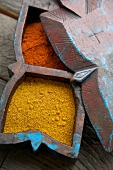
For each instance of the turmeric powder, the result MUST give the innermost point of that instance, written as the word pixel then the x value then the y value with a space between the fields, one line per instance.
pixel 44 105
pixel 37 49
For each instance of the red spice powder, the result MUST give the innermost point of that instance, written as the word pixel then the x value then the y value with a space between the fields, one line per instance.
pixel 37 49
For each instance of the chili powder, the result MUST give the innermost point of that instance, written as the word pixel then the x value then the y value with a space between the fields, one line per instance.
pixel 37 49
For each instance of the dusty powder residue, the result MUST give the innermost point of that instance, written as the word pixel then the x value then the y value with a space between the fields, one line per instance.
pixel 44 105
pixel 37 49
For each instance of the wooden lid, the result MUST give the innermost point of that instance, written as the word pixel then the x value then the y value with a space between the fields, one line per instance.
pixel 83 43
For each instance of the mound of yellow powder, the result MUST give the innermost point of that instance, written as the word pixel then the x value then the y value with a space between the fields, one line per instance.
pixel 44 105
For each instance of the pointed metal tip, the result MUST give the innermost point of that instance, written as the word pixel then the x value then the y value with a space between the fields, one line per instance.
pixel 80 76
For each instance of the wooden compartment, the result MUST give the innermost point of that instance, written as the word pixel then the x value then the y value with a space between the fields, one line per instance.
pixel 20 70
pixel 36 47
pixel 50 74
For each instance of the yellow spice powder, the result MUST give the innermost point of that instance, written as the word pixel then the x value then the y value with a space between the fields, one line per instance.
pixel 44 105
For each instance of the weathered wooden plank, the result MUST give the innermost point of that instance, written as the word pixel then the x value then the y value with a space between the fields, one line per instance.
pixel 7 30
pixel 87 43
pixel 92 155
pixel 95 29
pixel 2 85
pixel 3 155
pixel 10 7
pixel 22 160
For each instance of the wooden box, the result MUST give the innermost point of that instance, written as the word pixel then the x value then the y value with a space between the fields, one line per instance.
pixel 19 71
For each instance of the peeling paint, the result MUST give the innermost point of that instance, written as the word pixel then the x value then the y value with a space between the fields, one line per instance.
pixel 111 138
pixel 76 144
pixel 20 16
pixel 35 138
pixel 51 146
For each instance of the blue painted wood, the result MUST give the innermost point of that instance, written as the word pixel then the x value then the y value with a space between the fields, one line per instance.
pixel 18 71
pixel 36 137
pixel 85 42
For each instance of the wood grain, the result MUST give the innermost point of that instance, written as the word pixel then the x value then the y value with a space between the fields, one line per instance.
pixel 3 155
pixel 7 56
pixel 92 156
pixel 2 85
pixel 10 7
pixel 88 47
